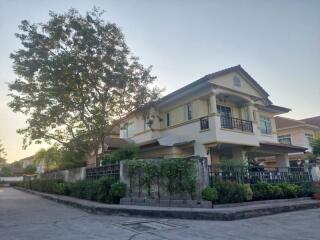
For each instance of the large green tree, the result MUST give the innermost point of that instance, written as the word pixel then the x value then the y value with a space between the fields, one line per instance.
pixel 76 77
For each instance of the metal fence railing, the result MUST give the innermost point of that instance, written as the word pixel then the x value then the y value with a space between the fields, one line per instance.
pixel 255 174
pixel 108 170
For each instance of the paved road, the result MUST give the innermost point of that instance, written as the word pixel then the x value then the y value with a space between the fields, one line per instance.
pixel 24 216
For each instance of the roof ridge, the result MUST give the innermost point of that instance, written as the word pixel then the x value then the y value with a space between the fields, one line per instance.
pixel 310 118
pixel 295 120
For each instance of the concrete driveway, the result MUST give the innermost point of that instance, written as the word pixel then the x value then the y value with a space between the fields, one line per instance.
pixel 24 216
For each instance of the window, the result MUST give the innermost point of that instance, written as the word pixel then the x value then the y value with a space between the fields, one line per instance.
pixel 224 111
pixel 168 119
pixel 265 125
pixel 125 130
pixel 130 129
pixel 309 138
pixel 146 121
pixel 225 116
pixel 204 123
pixel 236 81
pixel 188 110
pixel 286 139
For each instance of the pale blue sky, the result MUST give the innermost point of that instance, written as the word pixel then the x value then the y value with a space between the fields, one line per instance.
pixel 277 42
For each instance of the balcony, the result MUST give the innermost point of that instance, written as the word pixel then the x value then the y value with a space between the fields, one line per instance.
pixel 236 123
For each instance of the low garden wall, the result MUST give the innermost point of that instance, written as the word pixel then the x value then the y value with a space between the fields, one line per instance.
pixel 70 175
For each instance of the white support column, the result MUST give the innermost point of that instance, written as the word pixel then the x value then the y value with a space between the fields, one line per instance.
pixel 239 154
pixel 282 162
pixel 250 110
pixel 213 103
pixel 200 150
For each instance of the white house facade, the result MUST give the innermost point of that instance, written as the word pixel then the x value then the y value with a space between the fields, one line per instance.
pixel 226 114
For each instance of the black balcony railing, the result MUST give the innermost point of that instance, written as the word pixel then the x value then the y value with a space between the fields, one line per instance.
pixel 236 123
pixel 204 123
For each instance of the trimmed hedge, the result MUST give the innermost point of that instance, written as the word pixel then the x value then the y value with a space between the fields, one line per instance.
pixel 106 189
pixel 265 191
pixel 232 192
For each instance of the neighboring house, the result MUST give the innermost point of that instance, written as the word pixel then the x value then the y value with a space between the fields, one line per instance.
pixel 25 162
pixel 226 114
pixel 313 121
pixel 111 142
pixel 30 161
pixel 299 133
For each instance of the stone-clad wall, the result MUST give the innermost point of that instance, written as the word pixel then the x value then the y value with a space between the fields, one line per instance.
pixel 70 175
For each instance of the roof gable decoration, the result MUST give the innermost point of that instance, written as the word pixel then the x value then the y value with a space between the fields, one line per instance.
pixel 239 81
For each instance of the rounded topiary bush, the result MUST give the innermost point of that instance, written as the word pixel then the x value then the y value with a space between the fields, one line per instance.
pixel 248 193
pixel 262 191
pixel 289 190
pixel 117 191
pixel 210 194
pixel 277 192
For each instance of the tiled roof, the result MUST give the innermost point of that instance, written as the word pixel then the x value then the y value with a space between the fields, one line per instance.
pixel 313 121
pixel 282 122
pixel 204 80
pixel 113 142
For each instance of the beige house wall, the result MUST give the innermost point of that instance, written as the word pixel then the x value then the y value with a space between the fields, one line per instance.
pixel 203 104
pixel 298 136
pixel 227 81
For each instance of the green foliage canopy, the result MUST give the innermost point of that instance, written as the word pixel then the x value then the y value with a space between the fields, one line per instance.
pixel 76 77
pixel 126 152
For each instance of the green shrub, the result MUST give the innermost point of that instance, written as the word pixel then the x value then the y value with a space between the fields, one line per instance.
pixel 59 188
pixel 230 192
pixel 289 190
pixel 126 152
pixel 92 187
pixel 210 194
pixel 104 186
pixel 30 169
pixel 248 194
pixel 262 191
pixel 306 190
pixel 117 191
pixel 276 192
pixel 78 189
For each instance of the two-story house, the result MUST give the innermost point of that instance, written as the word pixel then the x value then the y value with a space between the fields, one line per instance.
pixel 226 114
pixel 299 133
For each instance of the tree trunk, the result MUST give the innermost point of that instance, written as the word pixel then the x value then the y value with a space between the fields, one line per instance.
pixel 97 157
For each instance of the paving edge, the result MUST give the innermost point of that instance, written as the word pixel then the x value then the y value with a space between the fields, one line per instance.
pixel 179 213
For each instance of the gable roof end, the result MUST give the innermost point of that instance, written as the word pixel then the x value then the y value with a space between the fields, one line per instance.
pixel 313 121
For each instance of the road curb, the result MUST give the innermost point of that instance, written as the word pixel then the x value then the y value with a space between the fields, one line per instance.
pixel 222 214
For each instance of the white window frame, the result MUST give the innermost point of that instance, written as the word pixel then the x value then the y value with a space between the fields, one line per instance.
pixel 265 125
pixel 146 123
pixel 236 81
pixel 168 119
pixel 188 112
pixel 285 139
pixel 309 138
